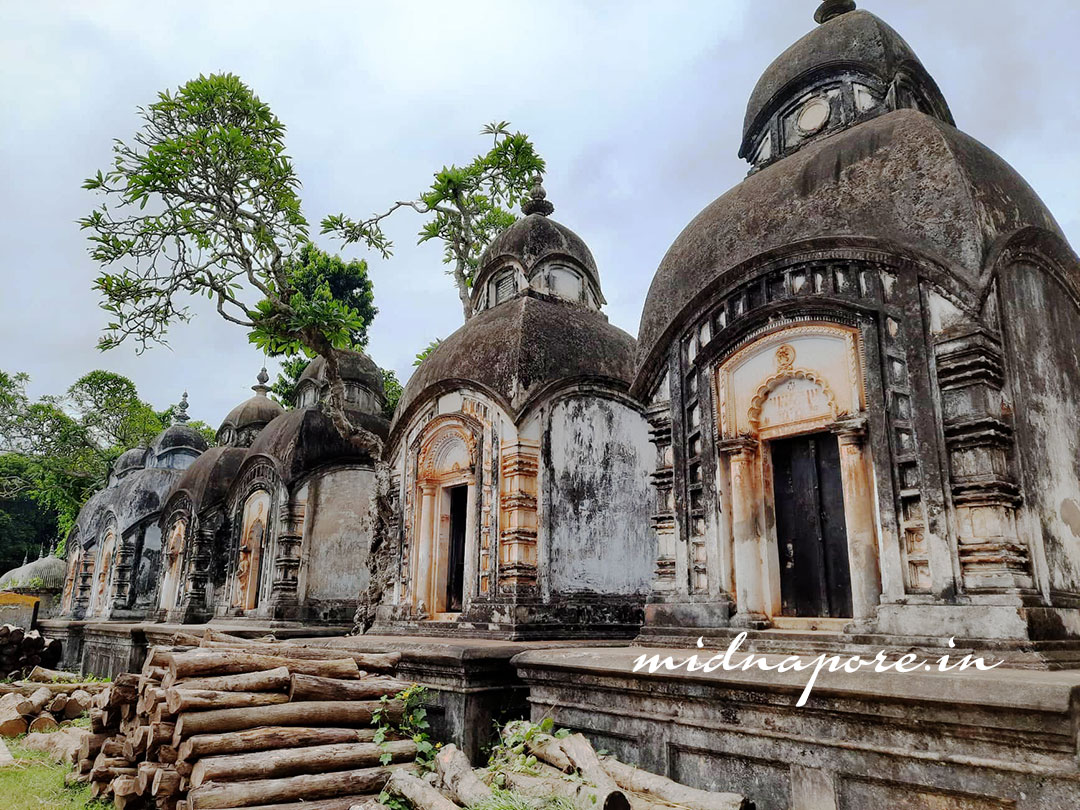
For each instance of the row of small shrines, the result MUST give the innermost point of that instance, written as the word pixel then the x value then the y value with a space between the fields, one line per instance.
pixel 843 402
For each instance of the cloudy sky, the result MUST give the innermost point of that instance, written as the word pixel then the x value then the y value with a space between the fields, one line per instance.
pixel 637 107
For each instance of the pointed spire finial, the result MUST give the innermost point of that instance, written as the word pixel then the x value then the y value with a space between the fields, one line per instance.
pixel 180 415
pixel 261 388
pixel 833 8
pixel 537 202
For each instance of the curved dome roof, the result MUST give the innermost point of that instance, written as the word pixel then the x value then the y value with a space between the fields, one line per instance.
pixel 355 367
pixel 178 436
pixel 255 412
pixel 49 570
pixel 133 459
pixel 533 239
pixel 903 179
pixel 520 348
pixel 305 438
pixel 207 480
pixel 853 40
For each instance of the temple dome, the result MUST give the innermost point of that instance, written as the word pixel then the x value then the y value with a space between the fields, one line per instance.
pixel 250 416
pixel 357 369
pixel 854 62
pixel 129 461
pixel 516 351
pixel 49 571
pixel 178 438
pixel 207 480
pixel 304 439
pixel 903 181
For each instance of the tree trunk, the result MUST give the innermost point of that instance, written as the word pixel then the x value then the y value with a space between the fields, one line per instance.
pixel 270 680
pixel 125 786
pixel 307 787
pixel 39 699
pixel 417 792
pixel 146 776
pixel 293 761
pixel 359 436
pixel 230 662
pixel 583 756
pixel 166 782
pixel 659 787
pixel 459 778
pixel 91 745
pixel 312 687
pixel 269 738
pixel 43 675
pixel 186 700
pixel 366 801
pixel 583 796
pixel 12 722
pixel 332 713
pixel 44 722
pixel 370 661
pixel 547 748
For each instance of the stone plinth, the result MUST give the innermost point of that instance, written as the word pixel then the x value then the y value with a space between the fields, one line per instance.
pixel 963 741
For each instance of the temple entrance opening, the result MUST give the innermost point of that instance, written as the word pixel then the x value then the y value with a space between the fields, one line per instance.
pixel 455 574
pixel 815 579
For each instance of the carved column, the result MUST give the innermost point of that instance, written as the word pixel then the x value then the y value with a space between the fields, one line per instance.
pixel 859 519
pixel 193 600
pixel 979 439
pixel 749 560
pixel 124 563
pixel 663 480
pixel 517 517
pixel 425 545
pixel 283 589
pixel 84 587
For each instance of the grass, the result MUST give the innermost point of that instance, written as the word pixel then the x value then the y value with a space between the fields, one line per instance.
pixel 35 782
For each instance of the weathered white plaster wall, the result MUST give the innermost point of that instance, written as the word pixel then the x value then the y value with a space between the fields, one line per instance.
pixel 337 534
pixel 597 499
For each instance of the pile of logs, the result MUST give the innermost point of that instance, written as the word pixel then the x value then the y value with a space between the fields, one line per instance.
pixel 568 768
pixel 40 704
pixel 238 723
pixel 21 651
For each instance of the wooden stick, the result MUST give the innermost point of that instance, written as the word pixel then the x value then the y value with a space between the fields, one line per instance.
pixel 186 700
pixel 308 786
pixel 270 680
pixel 313 687
pixel 230 662
pixel 268 738
pixel 332 713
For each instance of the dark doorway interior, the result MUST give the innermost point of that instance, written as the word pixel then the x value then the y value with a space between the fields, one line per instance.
pixel 455 576
pixel 814 576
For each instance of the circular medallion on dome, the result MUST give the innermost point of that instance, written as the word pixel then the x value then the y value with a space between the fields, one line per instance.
pixel 814 115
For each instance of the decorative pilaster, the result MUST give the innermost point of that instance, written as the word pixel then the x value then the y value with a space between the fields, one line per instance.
pixel 517 517
pixel 863 560
pixel 193 601
pixel 425 548
pixel 663 481
pixel 283 589
pixel 742 455
pixel 979 439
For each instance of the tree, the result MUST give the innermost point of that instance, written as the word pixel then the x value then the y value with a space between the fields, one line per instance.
pixel 392 388
pixel 422 355
pixel 204 201
pixel 284 387
pixel 465 207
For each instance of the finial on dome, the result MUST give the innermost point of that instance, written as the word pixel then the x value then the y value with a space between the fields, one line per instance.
pixel 180 415
pixel 537 202
pixel 262 386
pixel 833 8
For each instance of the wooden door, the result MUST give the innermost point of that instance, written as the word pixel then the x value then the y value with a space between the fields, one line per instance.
pixel 815 579
pixel 455 574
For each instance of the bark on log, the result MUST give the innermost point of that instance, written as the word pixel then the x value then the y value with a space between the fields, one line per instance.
pixel 166 754
pixel 546 748
pixel 659 787
pixel 308 787
pixel 43 722
pixel 184 665
pixel 166 783
pixel 12 723
pixel 40 699
pixel 125 785
pixel 146 776
pixel 365 800
pixel 336 713
pixel 294 761
pixel 187 700
pixel 581 753
pixel 417 792
pixel 106 773
pixel 78 703
pixel 91 745
pixel 112 747
pixel 44 675
pixel 270 680
pixel 583 796
pixel 313 687
pixel 57 704
pixel 459 778
pixel 268 738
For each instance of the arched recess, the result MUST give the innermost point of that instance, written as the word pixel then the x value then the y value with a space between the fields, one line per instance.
pixel 444 548
pixel 103 573
pixel 253 560
pixel 173 582
pixel 71 580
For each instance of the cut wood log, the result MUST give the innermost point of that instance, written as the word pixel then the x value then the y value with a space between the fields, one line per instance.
pixel 43 722
pixel 135 743
pixel 126 785
pixel 417 792
pixel 584 758
pixel 547 749
pixel 113 747
pixel 365 660
pixel 146 776
pixel 39 700
pixel 337 713
pixel 57 704
pixel 185 665
pixel 17 702
pixel 307 787
pixel 313 687
pixel 166 754
pixel 365 800
pixel 187 700
pixel 166 782
pixel 583 796
pixel 270 680
pixel 91 744
pixel 12 722
pixel 106 773
pixel 670 792
pixel 459 778
pixel 44 675
pixel 269 738
pixel 294 761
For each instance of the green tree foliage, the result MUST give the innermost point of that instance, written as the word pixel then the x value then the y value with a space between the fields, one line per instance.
pixel 392 388
pixel 422 355
pixel 465 207
pixel 58 450
pixel 203 200
pixel 25 525
pixel 284 387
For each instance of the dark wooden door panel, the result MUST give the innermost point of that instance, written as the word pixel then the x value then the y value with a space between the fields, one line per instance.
pixel 810 528
pixel 455 579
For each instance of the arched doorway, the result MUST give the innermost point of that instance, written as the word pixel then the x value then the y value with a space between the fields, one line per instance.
pixel 248 586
